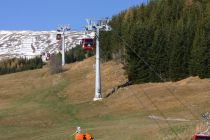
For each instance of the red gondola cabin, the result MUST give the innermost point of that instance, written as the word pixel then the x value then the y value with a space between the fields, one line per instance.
pixel 87 44
pixel 201 137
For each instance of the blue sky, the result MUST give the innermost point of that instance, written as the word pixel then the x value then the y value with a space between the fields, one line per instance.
pixel 48 14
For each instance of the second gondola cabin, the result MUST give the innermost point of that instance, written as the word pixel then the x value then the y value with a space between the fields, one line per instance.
pixel 58 37
pixel 87 44
pixel 201 137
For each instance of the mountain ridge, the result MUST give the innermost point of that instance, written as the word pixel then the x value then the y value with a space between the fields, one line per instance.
pixel 29 44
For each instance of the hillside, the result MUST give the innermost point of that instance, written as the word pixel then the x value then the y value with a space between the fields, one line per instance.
pixel 37 106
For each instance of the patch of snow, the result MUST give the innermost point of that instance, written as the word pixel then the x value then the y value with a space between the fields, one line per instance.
pixel 167 119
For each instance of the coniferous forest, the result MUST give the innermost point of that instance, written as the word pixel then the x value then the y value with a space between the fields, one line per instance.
pixel 164 40
pixel 77 54
pixel 19 64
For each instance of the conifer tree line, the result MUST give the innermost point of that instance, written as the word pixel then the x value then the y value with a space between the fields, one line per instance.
pixel 73 55
pixel 19 64
pixel 172 36
pixel 77 54
pixel 22 64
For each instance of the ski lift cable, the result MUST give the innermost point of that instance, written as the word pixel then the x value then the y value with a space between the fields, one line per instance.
pixel 133 94
pixel 150 112
pixel 157 74
pixel 161 112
